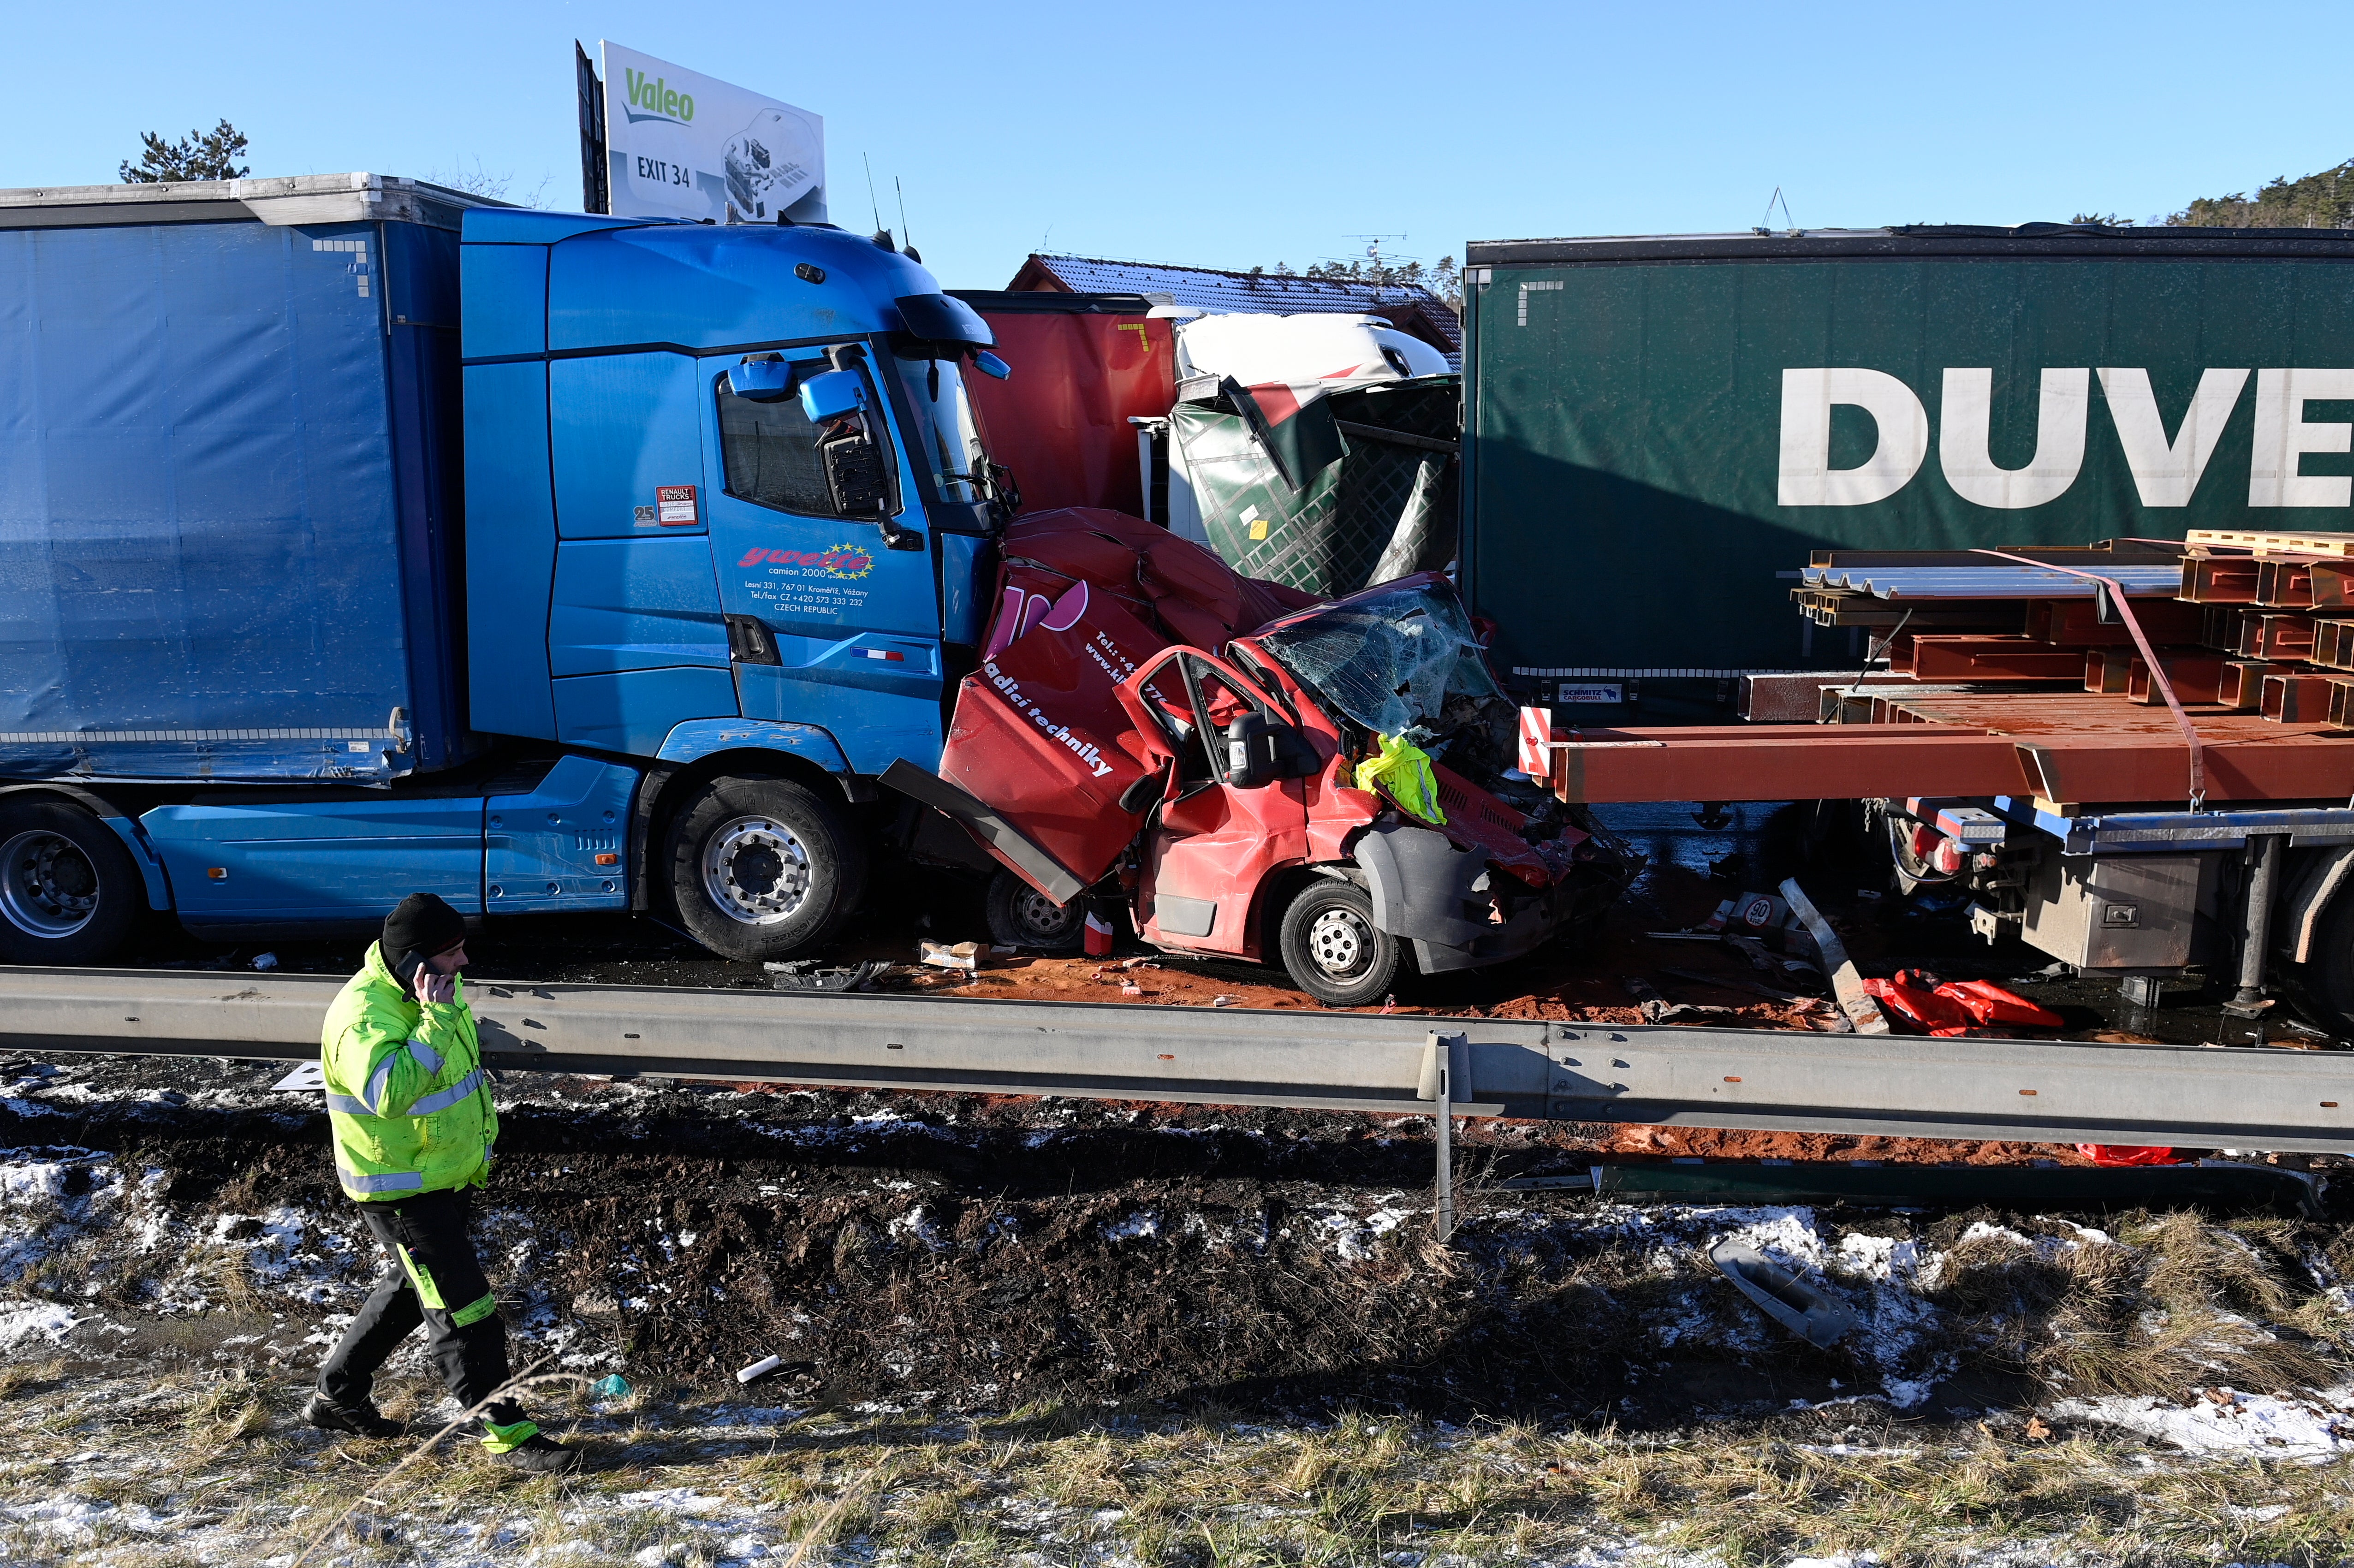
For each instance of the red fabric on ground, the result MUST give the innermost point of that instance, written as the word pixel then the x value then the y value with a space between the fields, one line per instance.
pixel 1989 1004
pixel 1918 1008
pixel 2127 1154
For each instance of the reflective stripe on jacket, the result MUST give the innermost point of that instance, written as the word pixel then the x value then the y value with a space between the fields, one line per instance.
pixel 408 1099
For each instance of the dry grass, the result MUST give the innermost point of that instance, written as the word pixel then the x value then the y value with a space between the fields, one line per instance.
pixel 2172 1303
pixel 206 1468
pixel 1064 1485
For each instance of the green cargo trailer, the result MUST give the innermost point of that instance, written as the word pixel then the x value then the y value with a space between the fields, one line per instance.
pixel 1659 430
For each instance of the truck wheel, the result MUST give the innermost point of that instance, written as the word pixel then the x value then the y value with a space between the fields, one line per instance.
pixel 1021 916
pixel 763 868
pixel 1332 948
pixel 69 892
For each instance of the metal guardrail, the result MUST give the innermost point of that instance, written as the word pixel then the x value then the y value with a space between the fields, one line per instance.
pixel 1974 1088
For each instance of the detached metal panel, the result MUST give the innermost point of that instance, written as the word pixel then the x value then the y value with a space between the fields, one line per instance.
pixel 1661 426
pixel 226 500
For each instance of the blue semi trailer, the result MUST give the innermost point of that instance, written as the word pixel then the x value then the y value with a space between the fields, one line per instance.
pixel 358 537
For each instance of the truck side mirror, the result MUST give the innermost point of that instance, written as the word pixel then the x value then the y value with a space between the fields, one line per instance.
pixel 761 380
pixel 989 364
pixel 833 394
pixel 854 475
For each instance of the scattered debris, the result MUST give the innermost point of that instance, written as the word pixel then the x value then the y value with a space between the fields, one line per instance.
pixel 1847 982
pixel 1657 1011
pixel 1785 1295
pixel 965 955
pixel 1733 983
pixel 806 974
pixel 761 1368
pixel 265 961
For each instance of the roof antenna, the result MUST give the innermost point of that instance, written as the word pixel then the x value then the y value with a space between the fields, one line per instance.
pixel 882 236
pixel 1764 224
pixel 905 233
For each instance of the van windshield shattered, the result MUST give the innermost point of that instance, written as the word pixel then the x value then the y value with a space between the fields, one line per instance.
pixel 1402 661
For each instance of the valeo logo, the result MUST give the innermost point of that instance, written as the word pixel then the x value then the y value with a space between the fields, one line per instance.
pixel 652 94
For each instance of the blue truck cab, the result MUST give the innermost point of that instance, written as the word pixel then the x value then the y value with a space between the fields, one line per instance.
pixel 358 537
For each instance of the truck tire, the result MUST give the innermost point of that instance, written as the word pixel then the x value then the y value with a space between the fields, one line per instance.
pixel 763 868
pixel 1332 948
pixel 69 892
pixel 1021 916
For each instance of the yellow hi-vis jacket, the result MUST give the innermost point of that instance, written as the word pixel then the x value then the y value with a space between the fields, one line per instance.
pixel 408 1099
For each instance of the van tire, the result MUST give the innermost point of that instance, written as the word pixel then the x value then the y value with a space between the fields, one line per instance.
pixel 70 891
pixel 1021 916
pixel 1332 948
pixel 762 868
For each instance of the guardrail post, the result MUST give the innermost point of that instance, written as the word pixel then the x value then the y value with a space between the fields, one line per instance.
pixel 1445 1075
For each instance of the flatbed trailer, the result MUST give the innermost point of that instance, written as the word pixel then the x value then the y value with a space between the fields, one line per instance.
pixel 2152 773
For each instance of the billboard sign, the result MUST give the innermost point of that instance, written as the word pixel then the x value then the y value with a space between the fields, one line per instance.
pixel 683 144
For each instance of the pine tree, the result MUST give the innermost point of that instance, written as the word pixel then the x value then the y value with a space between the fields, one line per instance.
pixel 198 155
pixel 2324 200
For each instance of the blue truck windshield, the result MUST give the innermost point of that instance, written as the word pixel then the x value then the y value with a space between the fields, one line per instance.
pixel 944 444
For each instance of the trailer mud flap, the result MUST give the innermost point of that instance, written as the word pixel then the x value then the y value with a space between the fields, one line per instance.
pixel 1020 854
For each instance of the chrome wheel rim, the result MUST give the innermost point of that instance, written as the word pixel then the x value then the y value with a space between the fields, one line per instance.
pixel 1042 919
pixel 47 886
pixel 756 871
pixel 1339 942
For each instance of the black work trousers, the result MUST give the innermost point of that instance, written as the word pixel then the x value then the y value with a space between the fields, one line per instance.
pixel 432 1278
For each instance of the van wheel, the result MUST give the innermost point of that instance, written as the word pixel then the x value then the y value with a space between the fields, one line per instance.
pixel 1021 916
pixel 1332 948
pixel 763 868
pixel 69 892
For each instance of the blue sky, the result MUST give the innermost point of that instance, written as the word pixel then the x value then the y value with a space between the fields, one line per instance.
pixel 1234 135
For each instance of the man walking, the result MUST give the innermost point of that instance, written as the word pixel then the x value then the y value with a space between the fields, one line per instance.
pixel 409 1108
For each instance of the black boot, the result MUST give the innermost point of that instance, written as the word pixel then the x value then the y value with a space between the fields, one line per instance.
pixel 362 1420
pixel 540 1456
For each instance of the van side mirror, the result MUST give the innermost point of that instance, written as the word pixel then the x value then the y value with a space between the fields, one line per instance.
pixel 761 380
pixel 833 394
pixel 1260 750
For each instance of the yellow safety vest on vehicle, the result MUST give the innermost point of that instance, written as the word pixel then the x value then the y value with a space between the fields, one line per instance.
pixel 408 1099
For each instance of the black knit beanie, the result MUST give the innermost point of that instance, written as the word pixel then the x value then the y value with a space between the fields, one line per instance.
pixel 422 925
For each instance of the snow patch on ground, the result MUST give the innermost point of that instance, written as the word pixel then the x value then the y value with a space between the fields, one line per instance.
pixel 2318 1426
pixel 1142 1225
pixel 1354 1237
pixel 22 1320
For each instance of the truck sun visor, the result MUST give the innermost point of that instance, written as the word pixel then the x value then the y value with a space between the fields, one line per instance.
pixel 937 318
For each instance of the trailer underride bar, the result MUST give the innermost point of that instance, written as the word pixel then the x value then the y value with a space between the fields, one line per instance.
pixel 2039 1091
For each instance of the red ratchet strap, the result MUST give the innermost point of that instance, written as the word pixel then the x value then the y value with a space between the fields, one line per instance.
pixel 2149 656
